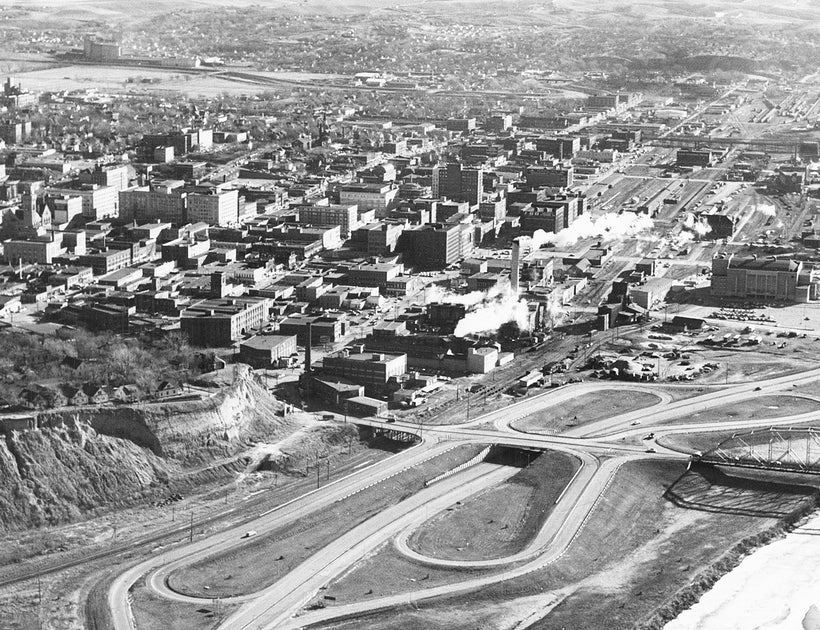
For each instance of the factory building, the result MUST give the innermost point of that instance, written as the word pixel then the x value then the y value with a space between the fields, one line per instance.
pixel 766 277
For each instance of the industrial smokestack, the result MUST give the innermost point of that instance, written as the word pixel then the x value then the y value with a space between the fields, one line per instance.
pixel 515 264
pixel 308 353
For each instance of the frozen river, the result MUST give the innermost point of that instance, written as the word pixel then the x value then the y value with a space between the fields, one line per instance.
pixel 775 588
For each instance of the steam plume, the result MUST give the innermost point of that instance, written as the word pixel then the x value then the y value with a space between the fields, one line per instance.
pixel 610 227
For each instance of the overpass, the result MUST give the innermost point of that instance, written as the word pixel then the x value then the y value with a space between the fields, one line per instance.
pixel 468 432
pixel 775 449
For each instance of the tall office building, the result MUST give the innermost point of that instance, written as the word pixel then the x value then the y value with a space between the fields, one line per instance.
pixel 458 183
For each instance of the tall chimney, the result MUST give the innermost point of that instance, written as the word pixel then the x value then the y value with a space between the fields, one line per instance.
pixel 515 264
pixel 308 344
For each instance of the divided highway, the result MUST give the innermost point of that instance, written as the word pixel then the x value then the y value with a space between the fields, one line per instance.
pixel 602 447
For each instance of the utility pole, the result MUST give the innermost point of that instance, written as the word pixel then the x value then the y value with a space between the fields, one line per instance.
pixel 318 470
pixel 191 534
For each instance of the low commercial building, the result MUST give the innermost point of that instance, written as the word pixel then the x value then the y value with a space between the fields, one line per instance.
pixel 703 158
pixel 374 274
pixel 481 360
pixel 362 406
pixel 106 261
pixel 371 369
pixel 263 351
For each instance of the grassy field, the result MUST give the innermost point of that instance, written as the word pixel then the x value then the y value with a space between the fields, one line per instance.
pixel 501 520
pixel 637 549
pixel 586 408
pixel 154 613
pixel 682 392
pixel 775 406
pixel 239 571
pixel 387 572
pixel 113 79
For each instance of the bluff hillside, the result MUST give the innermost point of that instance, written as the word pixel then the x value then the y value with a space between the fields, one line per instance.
pixel 95 458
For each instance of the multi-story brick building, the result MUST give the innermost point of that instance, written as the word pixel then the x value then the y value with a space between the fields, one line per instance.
pixel 42 250
pixel 114 175
pixel 437 245
pixel 343 215
pixel 220 322
pixel 214 208
pixel 161 202
pixel 370 196
pixel 99 202
pixel 378 238
pixel 561 147
pixel 458 183
pixel 555 177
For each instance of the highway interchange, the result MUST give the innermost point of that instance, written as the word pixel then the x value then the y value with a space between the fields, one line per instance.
pixel 601 447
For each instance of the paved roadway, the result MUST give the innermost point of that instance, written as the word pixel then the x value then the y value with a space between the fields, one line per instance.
pixel 566 532
pixel 293 510
pixel 276 606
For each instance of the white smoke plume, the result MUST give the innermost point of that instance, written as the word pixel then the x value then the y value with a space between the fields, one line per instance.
pixel 697 226
pixel 497 308
pixel 609 227
pixel 767 210
pixel 434 294
pixel 486 311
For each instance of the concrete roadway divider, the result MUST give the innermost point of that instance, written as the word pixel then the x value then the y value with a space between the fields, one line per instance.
pixel 471 462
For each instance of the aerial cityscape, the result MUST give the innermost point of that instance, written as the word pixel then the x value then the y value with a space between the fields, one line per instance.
pixel 432 314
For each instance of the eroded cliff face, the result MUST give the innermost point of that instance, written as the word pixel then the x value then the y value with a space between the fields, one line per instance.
pixel 193 431
pixel 99 458
pixel 59 474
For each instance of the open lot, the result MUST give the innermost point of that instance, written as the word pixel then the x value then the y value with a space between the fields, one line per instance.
pixel 586 408
pixel 131 79
pixel 776 406
pixel 501 520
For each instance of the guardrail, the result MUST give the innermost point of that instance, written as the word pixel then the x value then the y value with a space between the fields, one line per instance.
pixel 470 462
